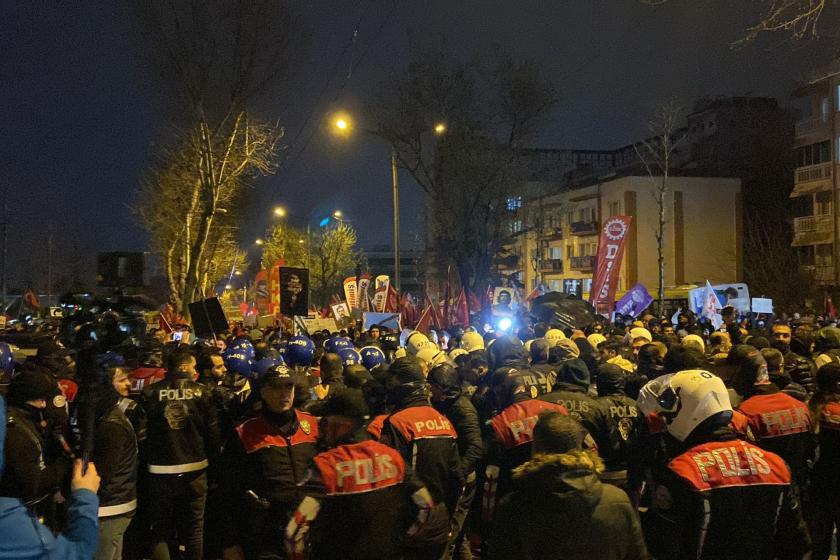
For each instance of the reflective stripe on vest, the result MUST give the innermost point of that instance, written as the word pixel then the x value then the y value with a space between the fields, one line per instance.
pixel 178 469
pixel 108 511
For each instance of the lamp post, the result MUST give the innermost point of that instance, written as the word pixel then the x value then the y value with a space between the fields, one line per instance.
pixel 343 126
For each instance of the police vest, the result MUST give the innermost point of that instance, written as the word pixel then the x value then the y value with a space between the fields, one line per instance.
pixel 258 433
pixel 422 422
pixel 142 377
pixel 514 426
pixel 775 415
pixel 361 467
pixel 830 416
pixel 376 425
pixel 728 464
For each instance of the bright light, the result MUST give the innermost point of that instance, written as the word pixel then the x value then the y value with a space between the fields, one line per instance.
pixel 300 241
pixel 440 128
pixel 228 287
pixel 259 241
pixel 279 211
pixel 337 214
pixel 238 273
pixel 341 124
pixel 504 324
pixel 324 222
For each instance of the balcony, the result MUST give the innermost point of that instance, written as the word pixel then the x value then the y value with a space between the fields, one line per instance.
pixel 813 173
pixel 809 126
pixel 584 228
pixel 813 230
pixel 553 234
pixel 820 273
pixel 552 266
pixel 582 264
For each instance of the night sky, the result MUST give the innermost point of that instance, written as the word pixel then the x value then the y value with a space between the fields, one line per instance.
pixel 80 123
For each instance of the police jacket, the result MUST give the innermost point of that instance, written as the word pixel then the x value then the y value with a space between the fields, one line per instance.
pixel 115 456
pixel 586 410
pixel 34 470
pixel 723 499
pixel 464 418
pixel 781 424
pixel 801 370
pixel 512 433
pixel 824 476
pixel 364 503
pixel 625 423
pixel 136 415
pixel 427 442
pixel 182 427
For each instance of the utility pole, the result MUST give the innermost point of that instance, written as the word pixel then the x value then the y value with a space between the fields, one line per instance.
pixel 3 253
pixel 396 186
pixel 49 269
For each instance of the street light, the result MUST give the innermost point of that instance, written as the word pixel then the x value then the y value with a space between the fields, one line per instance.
pixel 342 125
pixel 280 212
pixel 259 241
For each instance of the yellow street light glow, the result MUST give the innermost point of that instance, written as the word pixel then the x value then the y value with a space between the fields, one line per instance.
pixel 228 287
pixel 279 211
pixel 337 214
pixel 440 128
pixel 341 124
pixel 258 241
pixel 301 241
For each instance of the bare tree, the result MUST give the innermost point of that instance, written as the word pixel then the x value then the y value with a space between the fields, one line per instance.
pixel 657 157
pixel 333 256
pixel 468 172
pixel 214 59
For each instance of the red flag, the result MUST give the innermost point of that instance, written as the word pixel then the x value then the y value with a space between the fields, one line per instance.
pixel 610 251
pixel 474 301
pixel 164 324
pixel 460 311
pixel 30 299
pixel 535 293
pixel 829 307
pixel 488 301
pixel 392 300
pixel 437 322
pixel 425 320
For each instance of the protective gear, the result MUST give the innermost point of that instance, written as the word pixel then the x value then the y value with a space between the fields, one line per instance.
pixel 472 341
pixel 237 360
pixel 417 341
pixel 453 355
pixel 595 339
pixel 400 353
pixel 262 366
pixel 554 336
pixel 432 356
pixel 333 345
pixel 349 357
pixel 300 351
pixel 405 381
pixel 243 346
pixel 445 378
pixel 689 398
pixel 372 357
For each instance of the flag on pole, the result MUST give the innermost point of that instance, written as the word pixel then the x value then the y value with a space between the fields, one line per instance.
pixel 447 296
pixel 425 322
pixel 473 301
pixel 460 311
pixel 437 322
pixel 711 306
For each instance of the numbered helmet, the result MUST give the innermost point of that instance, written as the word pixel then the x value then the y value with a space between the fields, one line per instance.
pixel 237 361
pixel 300 351
pixel 372 357
pixel 349 357
pixel 417 341
pixel 690 398
pixel 262 366
pixel 337 343
pixel 472 341
pixel 243 346
pixel 554 336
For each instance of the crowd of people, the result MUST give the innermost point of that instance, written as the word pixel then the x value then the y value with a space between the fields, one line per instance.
pixel 649 439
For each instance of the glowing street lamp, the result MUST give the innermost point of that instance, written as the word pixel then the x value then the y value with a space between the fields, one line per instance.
pixel 280 212
pixel 259 241
pixel 440 128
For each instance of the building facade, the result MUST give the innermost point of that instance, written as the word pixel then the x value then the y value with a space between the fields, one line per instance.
pixel 703 233
pixel 816 147
pixel 380 260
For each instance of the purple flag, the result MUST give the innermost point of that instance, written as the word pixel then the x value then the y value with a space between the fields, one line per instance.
pixel 636 300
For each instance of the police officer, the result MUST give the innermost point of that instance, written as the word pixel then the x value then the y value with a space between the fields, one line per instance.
pixel 363 501
pixel 183 437
pixel 719 497
pixel 425 438
pixel 266 466
pixel 624 420
pixel 824 505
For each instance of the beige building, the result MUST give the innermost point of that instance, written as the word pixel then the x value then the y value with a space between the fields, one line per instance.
pixel 556 234
pixel 815 190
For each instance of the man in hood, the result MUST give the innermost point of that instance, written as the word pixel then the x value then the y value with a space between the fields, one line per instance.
pixel 559 499
pixel 24 538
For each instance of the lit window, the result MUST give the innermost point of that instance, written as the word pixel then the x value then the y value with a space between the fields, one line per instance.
pixel 514 203
pixel 838 97
pixel 824 108
pixel 516 226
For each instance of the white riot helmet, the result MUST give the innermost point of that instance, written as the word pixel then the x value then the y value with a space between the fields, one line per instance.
pixel 472 341
pixel 417 341
pixel 690 397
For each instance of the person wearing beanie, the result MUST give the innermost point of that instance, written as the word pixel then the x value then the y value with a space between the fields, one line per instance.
pixel 571 390
pixel 512 434
pixel 264 465
pixel 423 436
pixel 35 463
pixel 372 481
pixel 559 488
pixel 447 399
pixel 777 421
pixel 624 419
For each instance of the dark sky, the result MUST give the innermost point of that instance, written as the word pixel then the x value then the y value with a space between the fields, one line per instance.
pixel 79 123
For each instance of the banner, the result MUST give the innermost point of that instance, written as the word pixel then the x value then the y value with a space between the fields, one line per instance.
pixel 610 251
pixel 316 324
pixel 351 292
pixel 261 289
pixel 636 300
pixel 274 288
pixel 711 305
pixel 380 298
pixel 341 312
pixel 388 320
pixel 364 283
pixel 294 291
pixel 382 280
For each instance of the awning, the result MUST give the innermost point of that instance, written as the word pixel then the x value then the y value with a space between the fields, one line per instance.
pixel 812 238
